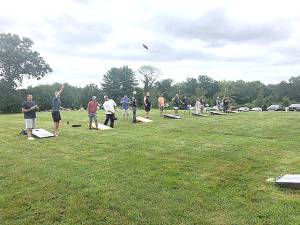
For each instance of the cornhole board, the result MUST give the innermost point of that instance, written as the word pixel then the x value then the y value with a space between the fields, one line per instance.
pixel 217 113
pixel 143 119
pixel 230 111
pixel 199 114
pixel 101 126
pixel 172 116
pixel 41 133
pixel 289 181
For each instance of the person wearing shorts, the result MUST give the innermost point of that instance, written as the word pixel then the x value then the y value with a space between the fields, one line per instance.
pixel 161 104
pixel 92 111
pixel 125 101
pixel 147 104
pixel 176 101
pixel 29 109
pixel 56 105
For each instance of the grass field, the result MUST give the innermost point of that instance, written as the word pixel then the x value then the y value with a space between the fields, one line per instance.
pixel 192 171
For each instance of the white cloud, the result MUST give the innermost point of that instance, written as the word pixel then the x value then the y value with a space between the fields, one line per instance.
pixel 230 39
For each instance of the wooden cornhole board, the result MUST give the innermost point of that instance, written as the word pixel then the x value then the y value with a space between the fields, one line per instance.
pixel 289 181
pixel 101 126
pixel 172 116
pixel 143 119
pixel 217 113
pixel 199 114
pixel 41 133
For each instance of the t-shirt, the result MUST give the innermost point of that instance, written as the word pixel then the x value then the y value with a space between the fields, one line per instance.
pixel 134 103
pixel 92 107
pixel 109 106
pixel 147 101
pixel 56 104
pixel 125 103
pixel 161 101
pixel 30 114
pixel 176 101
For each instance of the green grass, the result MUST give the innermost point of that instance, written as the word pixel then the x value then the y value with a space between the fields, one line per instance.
pixel 192 171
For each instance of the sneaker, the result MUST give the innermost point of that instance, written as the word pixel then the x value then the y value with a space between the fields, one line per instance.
pixel 30 138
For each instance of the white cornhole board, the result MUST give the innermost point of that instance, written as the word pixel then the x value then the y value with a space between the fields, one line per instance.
pixel 199 114
pixel 143 120
pixel 41 133
pixel 101 126
pixel 289 180
pixel 217 113
pixel 231 111
pixel 172 116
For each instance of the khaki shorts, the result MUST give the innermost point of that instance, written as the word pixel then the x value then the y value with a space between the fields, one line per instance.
pixel 30 124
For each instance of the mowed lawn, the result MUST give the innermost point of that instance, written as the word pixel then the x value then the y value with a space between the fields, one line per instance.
pixel 191 171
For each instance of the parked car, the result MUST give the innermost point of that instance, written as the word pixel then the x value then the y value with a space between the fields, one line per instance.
pixel 294 107
pixel 243 109
pixel 256 109
pixel 275 108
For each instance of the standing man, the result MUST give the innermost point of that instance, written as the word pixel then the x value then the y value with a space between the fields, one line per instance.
pixel 176 101
pixel 92 111
pixel 225 104
pixel 56 105
pixel 147 104
pixel 125 106
pixel 134 107
pixel 109 106
pixel 28 108
pixel 161 104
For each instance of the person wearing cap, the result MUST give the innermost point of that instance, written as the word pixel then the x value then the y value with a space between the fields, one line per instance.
pixel 92 111
pixel 109 106
pixel 161 104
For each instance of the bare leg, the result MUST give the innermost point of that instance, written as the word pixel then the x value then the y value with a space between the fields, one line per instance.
pixel 29 133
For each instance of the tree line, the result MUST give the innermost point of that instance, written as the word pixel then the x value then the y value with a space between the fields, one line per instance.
pixel 18 60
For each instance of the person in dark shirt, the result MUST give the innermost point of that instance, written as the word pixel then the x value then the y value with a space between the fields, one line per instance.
pixel 147 104
pixel 29 109
pixel 176 102
pixel 56 105
pixel 225 104
pixel 134 108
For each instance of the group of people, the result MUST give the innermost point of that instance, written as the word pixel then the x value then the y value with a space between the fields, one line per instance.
pixel 29 108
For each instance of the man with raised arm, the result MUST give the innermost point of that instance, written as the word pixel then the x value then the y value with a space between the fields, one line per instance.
pixel 56 105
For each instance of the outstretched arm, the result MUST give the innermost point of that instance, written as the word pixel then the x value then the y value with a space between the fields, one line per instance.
pixel 61 89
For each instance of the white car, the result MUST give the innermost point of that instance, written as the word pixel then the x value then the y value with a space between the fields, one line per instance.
pixel 243 109
pixel 256 109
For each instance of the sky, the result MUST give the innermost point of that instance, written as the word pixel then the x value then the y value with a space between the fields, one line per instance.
pixel 225 40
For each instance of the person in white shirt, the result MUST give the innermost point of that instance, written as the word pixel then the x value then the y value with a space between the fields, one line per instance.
pixel 198 106
pixel 109 106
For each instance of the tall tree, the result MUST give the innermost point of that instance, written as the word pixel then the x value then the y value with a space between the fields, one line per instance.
pixel 118 82
pixel 149 75
pixel 18 60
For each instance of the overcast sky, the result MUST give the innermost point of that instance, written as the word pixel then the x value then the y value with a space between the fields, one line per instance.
pixel 226 40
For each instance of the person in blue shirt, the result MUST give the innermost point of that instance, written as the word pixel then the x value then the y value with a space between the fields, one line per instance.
pixel 125 101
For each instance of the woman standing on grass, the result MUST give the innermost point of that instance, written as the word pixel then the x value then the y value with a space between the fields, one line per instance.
pixel 56 105
pixel 147 104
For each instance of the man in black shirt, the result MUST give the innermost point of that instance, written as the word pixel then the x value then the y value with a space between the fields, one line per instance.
pixel 28 108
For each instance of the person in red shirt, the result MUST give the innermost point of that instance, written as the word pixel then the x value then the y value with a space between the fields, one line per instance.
pixel 92 111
